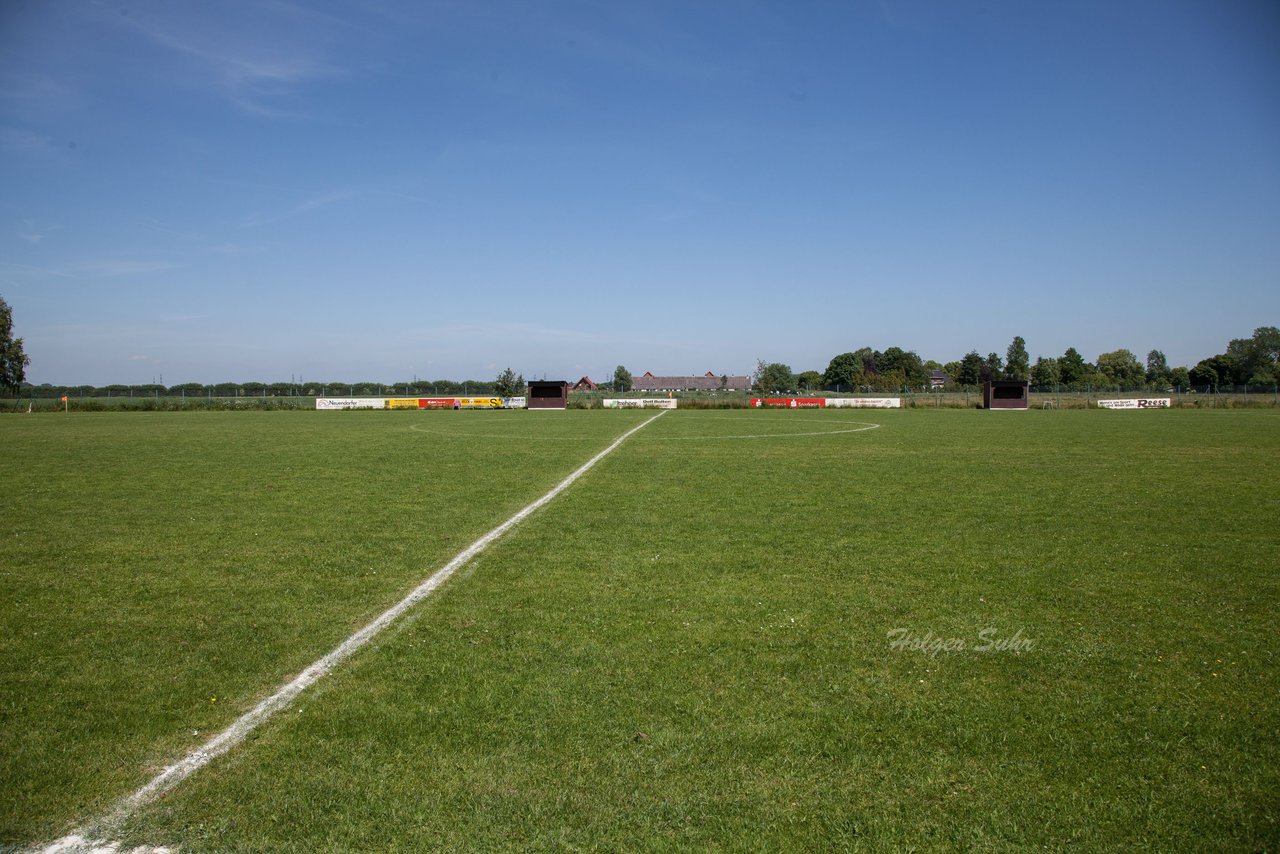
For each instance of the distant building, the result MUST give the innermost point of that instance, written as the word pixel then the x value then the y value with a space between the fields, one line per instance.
pixel 706 382
pixel 584 384
pixel 938 379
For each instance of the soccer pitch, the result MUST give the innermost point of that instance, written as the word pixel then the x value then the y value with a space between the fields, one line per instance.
pixel 739 630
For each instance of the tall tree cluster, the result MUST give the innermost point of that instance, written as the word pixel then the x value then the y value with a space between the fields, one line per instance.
pixel 13 360
pixel 1251 361
pixel 893 369
pixel 1247 361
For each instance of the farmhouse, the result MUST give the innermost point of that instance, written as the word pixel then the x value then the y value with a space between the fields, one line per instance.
pixel 584 384
pixel 706 382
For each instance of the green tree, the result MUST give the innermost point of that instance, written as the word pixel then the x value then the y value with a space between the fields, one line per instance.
pixel 1017 363
pixel 844 371
pixel 970 371
pixel 893 380
pixel 1157 369
pixel 1044 374
pixel 1072 368
pixel 992 368
pixel 1256 357
pixel 1122 368
pixel 13 359
pixel 774 376
pixel 509 384
pixel 1222 369
pixel 905 363
pixel 622 379
pixel 809 380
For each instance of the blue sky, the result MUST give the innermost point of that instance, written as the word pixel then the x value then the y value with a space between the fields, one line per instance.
pixel 375 190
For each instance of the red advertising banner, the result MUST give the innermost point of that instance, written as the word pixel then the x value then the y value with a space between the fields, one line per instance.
pixel 436 403
pixel 790 402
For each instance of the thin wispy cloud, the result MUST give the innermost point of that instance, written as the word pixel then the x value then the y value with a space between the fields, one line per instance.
pixel 25 142
pixel 256 64
pixel 260 218
pixel 123 267
pixel 94 268
pixel 31 94
pixel 33 232
pixel 325 199
pixel 30 271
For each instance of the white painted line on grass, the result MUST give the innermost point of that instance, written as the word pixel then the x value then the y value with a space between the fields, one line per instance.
pixel 246 723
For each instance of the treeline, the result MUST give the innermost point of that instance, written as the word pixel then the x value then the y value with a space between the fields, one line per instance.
pixel 1253 361
pixel 420 388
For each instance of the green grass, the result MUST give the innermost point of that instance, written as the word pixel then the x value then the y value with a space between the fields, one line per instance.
pixel 161 571
pixel 688 649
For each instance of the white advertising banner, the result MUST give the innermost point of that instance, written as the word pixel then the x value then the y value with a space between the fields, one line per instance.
pixel 1136 403
pixel 865 402
pixel 514 402
pixel 639 403
pixel 350 402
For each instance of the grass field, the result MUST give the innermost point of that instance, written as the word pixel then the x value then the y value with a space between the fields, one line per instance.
pixel 691 648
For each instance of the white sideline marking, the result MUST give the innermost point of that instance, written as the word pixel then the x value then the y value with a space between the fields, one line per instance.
pixel 170 777
pixel 76 844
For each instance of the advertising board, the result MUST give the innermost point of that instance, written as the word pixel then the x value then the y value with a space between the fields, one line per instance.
pixel 469 402
pixel 1136 403
pixel 350 403
pixel 865 402
pixel 639 403
pixel 790 402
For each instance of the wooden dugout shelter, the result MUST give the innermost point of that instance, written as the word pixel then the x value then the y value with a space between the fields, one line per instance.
pixel 548 394
pixel 1006 394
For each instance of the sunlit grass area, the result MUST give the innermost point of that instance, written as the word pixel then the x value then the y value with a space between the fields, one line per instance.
pixel 742 630
pixel 161 572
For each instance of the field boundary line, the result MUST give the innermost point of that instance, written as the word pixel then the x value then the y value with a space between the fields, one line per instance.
pixel 224 741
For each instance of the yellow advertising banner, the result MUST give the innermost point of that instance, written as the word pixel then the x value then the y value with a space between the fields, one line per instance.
pixel 479 402
pixel 402 403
